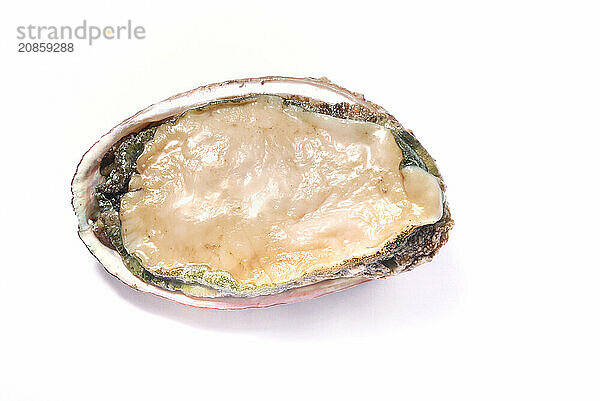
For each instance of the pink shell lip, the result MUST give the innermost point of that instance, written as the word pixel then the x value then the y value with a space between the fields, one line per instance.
pixel 87 175
pixel 294 295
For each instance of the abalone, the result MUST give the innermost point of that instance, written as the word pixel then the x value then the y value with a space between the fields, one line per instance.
pixel 257 192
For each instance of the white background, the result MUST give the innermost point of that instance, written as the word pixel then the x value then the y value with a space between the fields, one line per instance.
pixel 505 95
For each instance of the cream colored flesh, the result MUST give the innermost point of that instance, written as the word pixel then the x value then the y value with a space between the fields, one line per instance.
pixel 268 192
